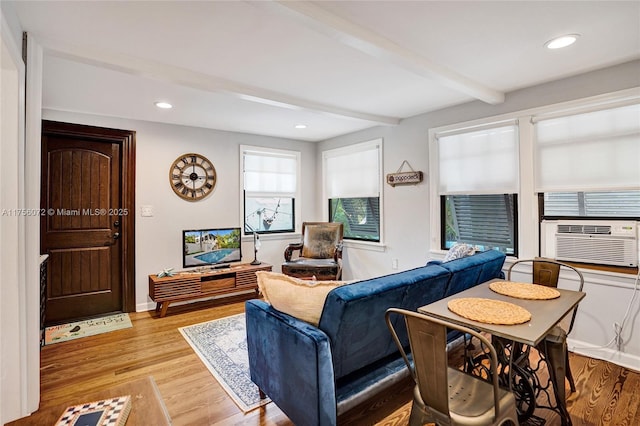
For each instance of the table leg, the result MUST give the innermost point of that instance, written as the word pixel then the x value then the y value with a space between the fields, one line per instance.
pixel 521 377
pixel 163 310
pixel 521 383
pixel 513 373
pixel 556 354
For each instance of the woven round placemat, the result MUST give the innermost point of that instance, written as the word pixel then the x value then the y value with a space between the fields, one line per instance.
pixel 489 311
pixel 524 290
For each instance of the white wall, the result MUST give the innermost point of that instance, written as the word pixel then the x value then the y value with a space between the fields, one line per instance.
pixel 12 279
pixel 406 208
pixel 407 211
pixel 19 241
pixel 159 238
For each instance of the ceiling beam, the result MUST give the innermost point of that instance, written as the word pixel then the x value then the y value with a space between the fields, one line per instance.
pixel 201 81
pixel 377 46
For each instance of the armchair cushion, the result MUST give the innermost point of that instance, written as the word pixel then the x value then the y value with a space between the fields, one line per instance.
pixel 320 240
pixel 308 269
pixel 302 299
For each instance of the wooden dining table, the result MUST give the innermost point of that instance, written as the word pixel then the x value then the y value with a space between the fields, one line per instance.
pixel 545 315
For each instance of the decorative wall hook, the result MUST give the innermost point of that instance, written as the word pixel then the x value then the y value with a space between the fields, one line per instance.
pixel 404 178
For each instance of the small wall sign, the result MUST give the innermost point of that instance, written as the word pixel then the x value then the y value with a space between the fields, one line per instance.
pixel 405 178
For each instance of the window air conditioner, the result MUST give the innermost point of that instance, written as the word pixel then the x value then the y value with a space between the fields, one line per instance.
pixel 600 242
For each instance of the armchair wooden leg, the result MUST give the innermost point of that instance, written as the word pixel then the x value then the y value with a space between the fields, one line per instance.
pixel 262 394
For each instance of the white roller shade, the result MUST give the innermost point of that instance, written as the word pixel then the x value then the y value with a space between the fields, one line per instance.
pixel 353 172
pixel 270 174
pixel 479 162
pixel 593 151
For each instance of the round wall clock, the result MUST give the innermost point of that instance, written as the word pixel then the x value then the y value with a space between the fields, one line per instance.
pixel 192 177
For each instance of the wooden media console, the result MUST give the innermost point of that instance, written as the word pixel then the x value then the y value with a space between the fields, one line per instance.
pixel 188 285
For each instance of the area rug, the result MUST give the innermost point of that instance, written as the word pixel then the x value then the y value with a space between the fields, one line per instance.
pixel 222 346
pixel 90 327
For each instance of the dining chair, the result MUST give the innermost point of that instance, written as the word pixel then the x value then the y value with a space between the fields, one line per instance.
pixel 445 395
pixel 546 272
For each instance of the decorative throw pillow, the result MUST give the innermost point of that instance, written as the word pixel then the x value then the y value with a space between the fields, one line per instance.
pixel 302 299
pixel 458 251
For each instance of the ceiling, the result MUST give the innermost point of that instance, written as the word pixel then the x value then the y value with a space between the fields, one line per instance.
pixel 262 67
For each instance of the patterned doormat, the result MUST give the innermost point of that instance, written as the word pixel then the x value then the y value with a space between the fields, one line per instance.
pixel 90 327
pixel 222 346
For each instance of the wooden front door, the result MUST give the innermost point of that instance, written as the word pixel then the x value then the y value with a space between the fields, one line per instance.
pixel 87 220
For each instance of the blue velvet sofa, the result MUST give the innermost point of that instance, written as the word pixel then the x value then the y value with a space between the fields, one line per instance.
pixel 313 374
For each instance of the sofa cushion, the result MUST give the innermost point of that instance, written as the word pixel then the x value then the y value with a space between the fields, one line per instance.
pixel 303 299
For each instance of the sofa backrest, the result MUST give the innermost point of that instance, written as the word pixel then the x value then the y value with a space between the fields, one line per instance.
pixel 470 271
pixel 353 314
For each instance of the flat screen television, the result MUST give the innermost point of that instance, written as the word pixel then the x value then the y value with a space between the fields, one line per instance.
pixel 211 247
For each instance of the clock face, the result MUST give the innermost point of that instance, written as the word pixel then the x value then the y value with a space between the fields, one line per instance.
pixel 192 177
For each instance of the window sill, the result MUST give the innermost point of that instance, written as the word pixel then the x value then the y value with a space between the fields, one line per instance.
pixel 275 237
pixel 364 245
pixel 604 268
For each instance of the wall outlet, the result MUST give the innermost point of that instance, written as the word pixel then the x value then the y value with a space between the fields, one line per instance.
pixel 146 211
pixel 394 264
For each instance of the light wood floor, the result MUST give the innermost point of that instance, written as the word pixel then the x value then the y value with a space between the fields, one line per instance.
pixel 607 394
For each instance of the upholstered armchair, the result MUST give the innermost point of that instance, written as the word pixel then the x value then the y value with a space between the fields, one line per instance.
pixel 319 254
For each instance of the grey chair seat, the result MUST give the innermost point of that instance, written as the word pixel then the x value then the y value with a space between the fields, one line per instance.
pixel 471 400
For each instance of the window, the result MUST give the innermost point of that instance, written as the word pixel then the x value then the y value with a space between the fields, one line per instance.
pixel 270 185
pixel 574 160
pixel 478 179
pixel 587 163
pixel 360 216
pixel 352 178
pixel 600 205
pixel 488 222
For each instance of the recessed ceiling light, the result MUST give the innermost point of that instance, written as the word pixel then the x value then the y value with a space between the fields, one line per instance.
pixel 562 41
pixel 300 126
pixel 164 105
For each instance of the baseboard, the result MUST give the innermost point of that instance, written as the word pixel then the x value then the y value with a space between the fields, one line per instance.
pixel 606 354
pixel 148 306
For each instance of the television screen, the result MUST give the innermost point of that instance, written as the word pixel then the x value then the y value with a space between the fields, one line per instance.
pixel 211 247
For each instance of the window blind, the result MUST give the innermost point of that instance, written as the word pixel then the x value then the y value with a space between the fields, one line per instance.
pixel 270 174
pixel 353 172
pixel 592 204
pixel 593 151
pixel 479 162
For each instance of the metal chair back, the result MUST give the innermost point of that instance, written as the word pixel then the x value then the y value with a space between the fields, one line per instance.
pixel 546 272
